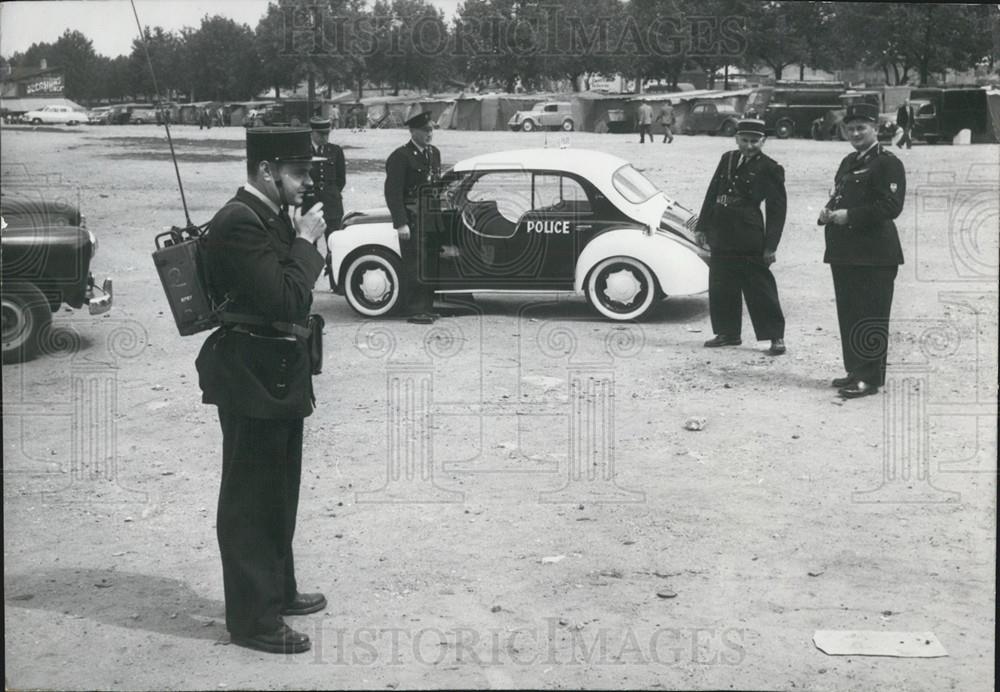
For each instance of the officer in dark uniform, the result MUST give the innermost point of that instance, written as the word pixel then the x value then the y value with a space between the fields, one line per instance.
pixel 863 250
pixel 408 168
pixel 329 175
pixel 742 244
pixel 261 264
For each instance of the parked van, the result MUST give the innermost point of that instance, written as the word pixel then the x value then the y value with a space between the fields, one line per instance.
pixel 789 110
pixel 942 113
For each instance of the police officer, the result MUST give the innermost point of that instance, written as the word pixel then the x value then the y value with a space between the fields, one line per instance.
pixel 863 250
pixel 329 175
pixel 742 243
pixel 408 168
pixel 261 263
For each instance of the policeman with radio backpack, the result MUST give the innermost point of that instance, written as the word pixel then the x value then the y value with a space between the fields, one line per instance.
pixel 260 263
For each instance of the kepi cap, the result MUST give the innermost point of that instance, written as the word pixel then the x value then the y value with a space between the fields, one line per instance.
pixel 750 126
pixel 861 111
pixel 280 144
pixel 319 123
pixel 419 121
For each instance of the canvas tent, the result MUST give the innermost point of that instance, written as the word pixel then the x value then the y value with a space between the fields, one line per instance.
pixel 487 111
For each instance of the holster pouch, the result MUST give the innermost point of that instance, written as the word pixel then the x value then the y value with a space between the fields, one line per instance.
pixel 315 324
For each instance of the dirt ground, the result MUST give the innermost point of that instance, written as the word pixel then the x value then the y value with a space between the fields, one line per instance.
pixel 509 498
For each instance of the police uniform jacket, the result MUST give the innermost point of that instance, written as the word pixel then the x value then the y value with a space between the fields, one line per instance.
pixel 329 178
pixel 406 170
pixel 872 188
pixel 730 215
pixel 253 258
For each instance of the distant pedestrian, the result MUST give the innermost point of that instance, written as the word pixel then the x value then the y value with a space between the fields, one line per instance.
pixel 743 245
pixel 335 117
pixel 644 119
pixel 863 250
pixel 904 118
pixel 666 118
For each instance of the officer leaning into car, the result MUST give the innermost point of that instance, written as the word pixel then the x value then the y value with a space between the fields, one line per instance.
pixel 329 175
pixel 863 250
pixel 409 168
pixel 261 263
pixel 743 245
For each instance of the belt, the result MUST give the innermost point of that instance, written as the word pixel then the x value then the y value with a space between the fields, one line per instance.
pixel 242 321
pixel 732 201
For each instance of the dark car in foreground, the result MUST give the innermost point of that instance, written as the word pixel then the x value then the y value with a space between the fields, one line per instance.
pixel 46 255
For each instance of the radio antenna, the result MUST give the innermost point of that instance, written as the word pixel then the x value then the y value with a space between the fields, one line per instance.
pixel 166 119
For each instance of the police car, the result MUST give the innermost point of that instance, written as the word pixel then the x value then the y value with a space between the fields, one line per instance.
pixel 533 221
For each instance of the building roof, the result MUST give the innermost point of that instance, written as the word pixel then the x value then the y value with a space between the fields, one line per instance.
pixel 18 74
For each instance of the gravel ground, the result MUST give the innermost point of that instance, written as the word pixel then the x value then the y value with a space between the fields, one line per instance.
pixel 568 532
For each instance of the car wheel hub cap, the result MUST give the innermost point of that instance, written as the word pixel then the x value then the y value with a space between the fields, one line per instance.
pixel 375 285
pixel 622 287
pixel 15 324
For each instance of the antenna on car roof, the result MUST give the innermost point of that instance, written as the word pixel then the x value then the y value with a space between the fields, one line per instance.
pixel 166 123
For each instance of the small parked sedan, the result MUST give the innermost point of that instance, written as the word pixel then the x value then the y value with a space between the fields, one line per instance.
pixel 712 117
pixel 46 251
pixel 55 115
pixel 533 221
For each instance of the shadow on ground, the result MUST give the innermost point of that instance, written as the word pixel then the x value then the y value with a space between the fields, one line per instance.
pixel 123 599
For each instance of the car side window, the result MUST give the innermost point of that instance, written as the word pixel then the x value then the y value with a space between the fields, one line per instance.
pixel 551 108
pixel 559 194
pixel 508 191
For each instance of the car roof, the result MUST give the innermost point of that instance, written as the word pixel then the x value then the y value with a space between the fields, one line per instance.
pixel 597 167
pixel 585 162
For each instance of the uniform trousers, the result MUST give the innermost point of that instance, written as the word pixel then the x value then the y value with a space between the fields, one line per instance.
pixel 864 301
pixel 258 502
pixel 644 131
pixel 420 267
pixel 730 280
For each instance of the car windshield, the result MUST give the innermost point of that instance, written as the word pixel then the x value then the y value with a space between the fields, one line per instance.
pixel 633 185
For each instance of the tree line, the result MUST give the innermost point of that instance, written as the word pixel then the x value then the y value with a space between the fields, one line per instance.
pixel 334 45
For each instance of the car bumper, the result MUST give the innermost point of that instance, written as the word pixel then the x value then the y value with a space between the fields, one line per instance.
pixel 99 300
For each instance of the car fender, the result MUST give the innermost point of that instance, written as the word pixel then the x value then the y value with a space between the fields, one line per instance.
pixel 678 269
pixel 345 241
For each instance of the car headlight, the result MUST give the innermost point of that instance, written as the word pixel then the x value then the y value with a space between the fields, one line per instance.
pixel 93 238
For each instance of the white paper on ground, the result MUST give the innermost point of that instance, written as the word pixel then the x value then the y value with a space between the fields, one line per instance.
pixel 873 643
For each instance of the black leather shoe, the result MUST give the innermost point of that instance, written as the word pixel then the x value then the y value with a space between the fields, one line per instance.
pixel 305 603
pixel 841 382
pixel 858 389
pixel 283 640
pixel 723 340
pixel 777 347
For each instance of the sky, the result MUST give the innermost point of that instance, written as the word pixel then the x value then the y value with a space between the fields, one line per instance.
pixel 110 24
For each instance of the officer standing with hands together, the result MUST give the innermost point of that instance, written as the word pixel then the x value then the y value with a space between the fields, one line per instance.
pixel 863 250
pixel 743 244
pixel 261 264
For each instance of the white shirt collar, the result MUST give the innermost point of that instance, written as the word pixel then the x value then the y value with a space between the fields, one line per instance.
pixel 419 148
pixel 262 197
pixel 862 154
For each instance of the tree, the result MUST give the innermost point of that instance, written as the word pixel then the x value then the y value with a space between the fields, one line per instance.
pixel 578 38
pixel 165 54
pixel 498 42
pixel 411 36
pixel 222 62
pixel 772 39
